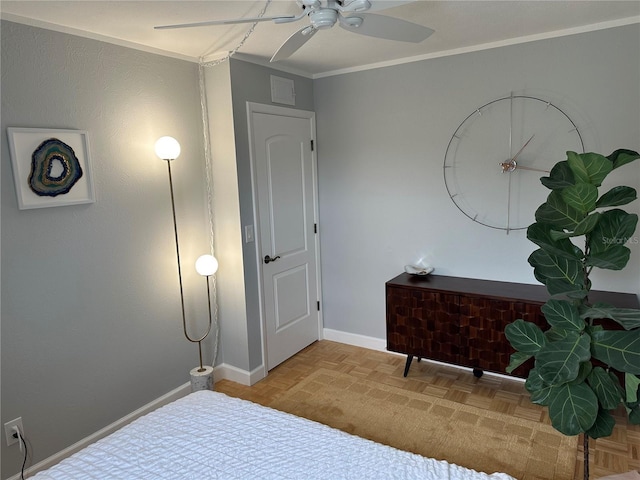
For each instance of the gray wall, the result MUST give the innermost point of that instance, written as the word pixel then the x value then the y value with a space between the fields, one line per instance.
pixel 252 83
pixel 229 87
pixel 382 137
pixel 91 325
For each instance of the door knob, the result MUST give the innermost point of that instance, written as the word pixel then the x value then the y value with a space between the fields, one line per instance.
pixel 268 259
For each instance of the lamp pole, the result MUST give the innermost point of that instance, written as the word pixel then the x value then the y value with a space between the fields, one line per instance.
pixel 168 149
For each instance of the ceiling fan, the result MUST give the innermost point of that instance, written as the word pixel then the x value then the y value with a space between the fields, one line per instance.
pixel 324 14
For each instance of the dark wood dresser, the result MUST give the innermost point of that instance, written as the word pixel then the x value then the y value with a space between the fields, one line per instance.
pixel 461 320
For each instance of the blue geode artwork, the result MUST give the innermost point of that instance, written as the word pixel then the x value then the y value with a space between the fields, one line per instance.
pixel 55 169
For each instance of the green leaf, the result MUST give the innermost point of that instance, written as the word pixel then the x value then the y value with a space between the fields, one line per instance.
pixel 584 227
pixel 560 177
pixel 585 369
pixel 542 235
pixel 555 334
pixel 563 314
pixel 634 414
pixel 622 156
pixel 589 167
pixel 617 196
pixel 608 237
pixel 537 388
pixel 556 212
pixel 628 318
pixel 620 349
pixel 573 409
pixel 603 426
pixel 614 229
pixel 631 382
pixel 561 275
pixel 587 224
pixel 559 362
pixel 525 337
pixel 606 387
pixel 614 258
pixel 517 359
pixel 579 294
pixel 581 196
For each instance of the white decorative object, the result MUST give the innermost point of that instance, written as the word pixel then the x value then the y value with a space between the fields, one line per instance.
pixel 418 269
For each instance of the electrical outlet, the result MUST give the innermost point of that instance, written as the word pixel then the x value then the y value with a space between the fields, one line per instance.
pixel 9 432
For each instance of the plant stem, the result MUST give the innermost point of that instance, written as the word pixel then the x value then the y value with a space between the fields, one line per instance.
pixel 586 456
pixel 586 271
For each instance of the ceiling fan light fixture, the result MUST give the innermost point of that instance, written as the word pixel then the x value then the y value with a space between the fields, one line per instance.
pixel 356 6
pixel 351 22
pixel 309 3
pixel 307 31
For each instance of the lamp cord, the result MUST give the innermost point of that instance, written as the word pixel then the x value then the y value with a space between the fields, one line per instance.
pixel 23 445
pixel 208 174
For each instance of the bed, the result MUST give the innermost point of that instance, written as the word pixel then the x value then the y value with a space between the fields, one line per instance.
pixel 209 435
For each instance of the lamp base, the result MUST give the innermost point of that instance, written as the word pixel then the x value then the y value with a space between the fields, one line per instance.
pixel 201 380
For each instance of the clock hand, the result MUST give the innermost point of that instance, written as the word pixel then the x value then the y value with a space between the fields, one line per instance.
pixel 520 151
pixel 511 165
pixel 508 204
pixel 520 167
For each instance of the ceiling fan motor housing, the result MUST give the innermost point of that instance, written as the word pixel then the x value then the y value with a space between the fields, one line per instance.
pixel 323 18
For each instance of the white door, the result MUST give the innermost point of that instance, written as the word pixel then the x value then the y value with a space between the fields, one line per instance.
pixel 284 166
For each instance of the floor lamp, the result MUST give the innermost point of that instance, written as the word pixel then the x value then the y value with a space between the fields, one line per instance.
pixel 168 149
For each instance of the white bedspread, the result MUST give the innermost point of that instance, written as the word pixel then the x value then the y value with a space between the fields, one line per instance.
pixel 208 435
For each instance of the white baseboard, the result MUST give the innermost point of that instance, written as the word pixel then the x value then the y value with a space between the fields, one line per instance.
pixel 380 344
pixel 235 374
pixel 356 340
pixel 179 392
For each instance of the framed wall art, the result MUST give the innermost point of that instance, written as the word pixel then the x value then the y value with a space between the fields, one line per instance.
pixel 51 168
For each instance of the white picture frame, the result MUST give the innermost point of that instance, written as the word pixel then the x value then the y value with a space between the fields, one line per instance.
pixel 36 153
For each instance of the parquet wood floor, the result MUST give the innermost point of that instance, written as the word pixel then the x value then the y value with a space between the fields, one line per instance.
pixel 616 454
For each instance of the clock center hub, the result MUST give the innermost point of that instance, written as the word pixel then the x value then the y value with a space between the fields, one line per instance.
pixel 509 166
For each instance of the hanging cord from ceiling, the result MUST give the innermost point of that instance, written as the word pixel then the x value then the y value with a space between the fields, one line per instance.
pixel 239 46
pixel 208 173
pixel 207 156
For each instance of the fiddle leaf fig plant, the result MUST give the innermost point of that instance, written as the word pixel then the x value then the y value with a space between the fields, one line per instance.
pixel 579 363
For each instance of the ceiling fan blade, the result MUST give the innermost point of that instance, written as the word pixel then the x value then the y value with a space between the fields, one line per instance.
pixel 293 43
pixel 389 28
pixel 378 5
pixel 278 19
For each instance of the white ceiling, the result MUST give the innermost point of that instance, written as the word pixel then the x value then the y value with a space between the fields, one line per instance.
pixel 459 26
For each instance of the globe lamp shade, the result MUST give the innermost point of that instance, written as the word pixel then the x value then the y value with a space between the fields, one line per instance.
pixel 206 265
pixel 167 148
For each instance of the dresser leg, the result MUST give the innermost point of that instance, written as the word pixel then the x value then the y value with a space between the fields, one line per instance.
pixel 408 364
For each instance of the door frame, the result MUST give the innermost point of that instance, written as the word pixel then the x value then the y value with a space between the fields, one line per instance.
pixel 253 107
